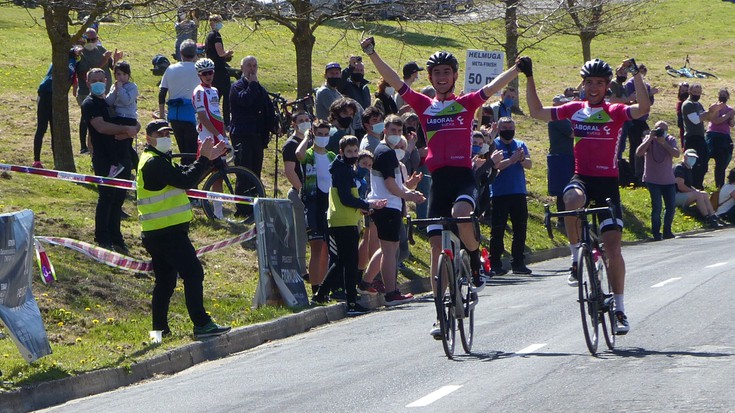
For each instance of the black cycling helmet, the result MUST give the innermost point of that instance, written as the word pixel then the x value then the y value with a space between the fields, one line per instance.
pixel 442 58
pixel 596 68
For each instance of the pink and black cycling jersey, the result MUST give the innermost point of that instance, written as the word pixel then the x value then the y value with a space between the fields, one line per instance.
pixel 447 125
pixel 596 132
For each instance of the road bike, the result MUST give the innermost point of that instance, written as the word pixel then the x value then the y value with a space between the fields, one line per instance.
pixel 236 180
pixel 593 284
pixel 454 297
pixel 688 71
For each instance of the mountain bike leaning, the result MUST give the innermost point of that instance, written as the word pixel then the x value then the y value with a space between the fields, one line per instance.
pixel 595 296
pixel 454 297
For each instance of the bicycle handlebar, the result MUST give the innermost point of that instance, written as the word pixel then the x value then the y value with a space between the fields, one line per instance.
pixel 580 212
pixel 443 221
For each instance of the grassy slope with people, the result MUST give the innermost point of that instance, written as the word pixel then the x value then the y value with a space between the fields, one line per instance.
pixel 97 316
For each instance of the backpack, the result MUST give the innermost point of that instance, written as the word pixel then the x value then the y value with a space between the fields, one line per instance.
pixel 160 64
pixel 714 199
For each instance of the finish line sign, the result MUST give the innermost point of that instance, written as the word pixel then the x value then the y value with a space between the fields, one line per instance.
pixel 481 68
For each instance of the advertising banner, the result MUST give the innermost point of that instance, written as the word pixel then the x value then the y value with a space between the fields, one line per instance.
pixel 280 280
pixel 18 309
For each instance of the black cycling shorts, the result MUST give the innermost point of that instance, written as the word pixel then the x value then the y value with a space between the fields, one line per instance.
pixel 449 185
pixel 596 190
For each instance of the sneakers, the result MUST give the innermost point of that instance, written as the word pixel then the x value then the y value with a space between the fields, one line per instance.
pixel 477 283
pixel 366 288
pixel 354 309
pixel 669 235
pixel 621 323
pixel 572 280
pixel 713 222
pixel 435 331
pixel 115 170
pixel 396 298
pixel 84 151
pixel 497 271
pixel 338 295
pixel 37 164
pixel 121 248
pixel 521 269
pixel 379 286
pixel 316 299
pixel 217 209
pixel 211 329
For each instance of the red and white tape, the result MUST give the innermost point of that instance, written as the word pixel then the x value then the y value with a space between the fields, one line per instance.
pixel 119 183
pixel 114 259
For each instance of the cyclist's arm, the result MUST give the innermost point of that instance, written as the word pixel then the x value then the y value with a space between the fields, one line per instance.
pixel 388 74
pixel 207 123
pixel 499 82
pixel 641 93
pixel 535 107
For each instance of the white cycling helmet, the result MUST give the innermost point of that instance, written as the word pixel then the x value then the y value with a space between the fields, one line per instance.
pixel 202 65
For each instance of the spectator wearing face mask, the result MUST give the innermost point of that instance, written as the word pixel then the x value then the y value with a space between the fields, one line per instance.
pixel 503 108
pixel 328 93
pixel 354 85
pixel 687 194
pixel 410 76
pixel 683 94
pixel 384 100
pixel 341 115
pixel 215 50
pixel 694 116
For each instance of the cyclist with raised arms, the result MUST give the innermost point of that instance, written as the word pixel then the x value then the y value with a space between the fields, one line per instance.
pixel 597 125
pixel 447 123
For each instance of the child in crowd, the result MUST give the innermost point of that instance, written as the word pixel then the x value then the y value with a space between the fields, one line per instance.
pixel 315 159
pixel 344 213
pixel 123 99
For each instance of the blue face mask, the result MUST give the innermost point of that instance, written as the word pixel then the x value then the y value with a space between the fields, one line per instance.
pixel 218 26
pixel 97 88
pixel 362 172
pixel 476 149
pixel 508 102
pixel 378 128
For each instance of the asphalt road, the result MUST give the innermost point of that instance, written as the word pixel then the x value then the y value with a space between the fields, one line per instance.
pixel 529 352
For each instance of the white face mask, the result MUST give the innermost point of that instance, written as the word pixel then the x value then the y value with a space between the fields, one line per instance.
pixel 691 161
pixel 393 139
pixel 303 127
pixel 90 46
pixel 400 153
pixel 321 141
pixel 163 144
pixel 390 91
pixel 484 149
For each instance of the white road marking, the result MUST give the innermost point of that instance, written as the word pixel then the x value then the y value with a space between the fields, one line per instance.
pixel 434 396
pixel 530 349
pixel 662 283
pixel 719 264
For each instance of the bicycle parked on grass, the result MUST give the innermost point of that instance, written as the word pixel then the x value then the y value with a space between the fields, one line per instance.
pixel 454 297
pixel 688 71
pixel 236 180
pixel 593 285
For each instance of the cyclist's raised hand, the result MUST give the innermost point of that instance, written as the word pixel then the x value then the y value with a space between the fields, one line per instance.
pixel 525 65
pixel 368 45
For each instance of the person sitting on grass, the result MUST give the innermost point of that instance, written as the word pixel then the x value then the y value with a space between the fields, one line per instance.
pixel 687 195
pixel 726 199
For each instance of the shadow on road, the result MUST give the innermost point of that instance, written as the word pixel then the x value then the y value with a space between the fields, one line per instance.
pixel 638 352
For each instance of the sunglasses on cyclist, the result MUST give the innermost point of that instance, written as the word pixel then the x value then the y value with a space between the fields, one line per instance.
pixel 206 73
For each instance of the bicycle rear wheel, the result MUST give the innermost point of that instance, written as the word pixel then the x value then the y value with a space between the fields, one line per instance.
pixel 588 307
pixel 702 75
pixel 468 299
pixel 236 180
pixel 445 303
pixel 607 311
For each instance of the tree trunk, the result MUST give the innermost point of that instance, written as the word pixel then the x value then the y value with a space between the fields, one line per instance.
pixel 303 40
pixel 586 39
pixel 56 18
pixel 511 43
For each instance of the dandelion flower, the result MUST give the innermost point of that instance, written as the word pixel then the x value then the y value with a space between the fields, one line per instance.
pixel 60 324
pixel 95 321
pixel 79 340
pixel 87 309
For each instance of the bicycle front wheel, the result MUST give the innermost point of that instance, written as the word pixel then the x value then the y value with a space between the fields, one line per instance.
pixel 703 75
pixel 445 303
pixel 235 180
pixel 607 310
pixel 468 300
pixel 587 288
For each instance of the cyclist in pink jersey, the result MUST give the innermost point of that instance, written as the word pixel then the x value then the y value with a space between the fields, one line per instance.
pixel 447 124
pixel 597 125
